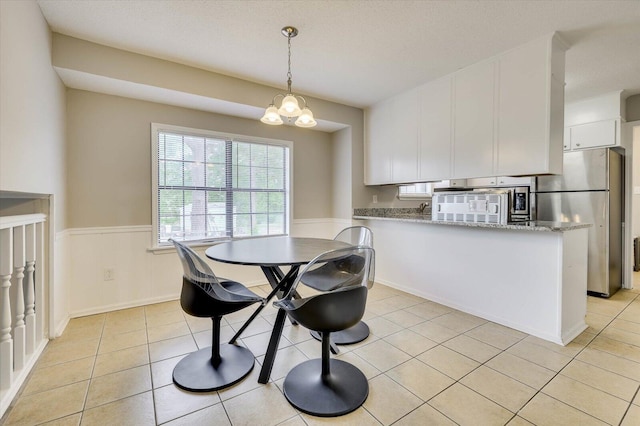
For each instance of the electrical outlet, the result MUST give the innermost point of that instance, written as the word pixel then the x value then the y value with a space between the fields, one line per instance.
pixel 109 274
pixel 636 190
pixel 375 199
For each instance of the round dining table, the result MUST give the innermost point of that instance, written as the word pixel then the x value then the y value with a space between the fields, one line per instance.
pixel 271 253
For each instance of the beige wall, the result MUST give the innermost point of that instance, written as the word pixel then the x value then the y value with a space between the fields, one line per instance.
pixel 633 114
pixel 341 165
pixel 32 111
pixel 80 57
pixel 636 181
pixel 633 108
pixel 109 158
pixel 32 140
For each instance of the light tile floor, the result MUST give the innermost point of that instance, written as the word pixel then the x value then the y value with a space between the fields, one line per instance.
pixel 426 364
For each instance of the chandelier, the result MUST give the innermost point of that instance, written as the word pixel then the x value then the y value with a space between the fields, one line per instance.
pixel 290 107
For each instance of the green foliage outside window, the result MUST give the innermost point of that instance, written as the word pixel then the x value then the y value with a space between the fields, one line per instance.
pixel 218 188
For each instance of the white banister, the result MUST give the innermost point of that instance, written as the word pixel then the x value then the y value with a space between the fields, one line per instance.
pixel 6 342
pixel 29 289
pixel 40 281
pixel 23 308
pixel 18 297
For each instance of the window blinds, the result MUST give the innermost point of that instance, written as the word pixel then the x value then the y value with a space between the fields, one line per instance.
pixel 210 188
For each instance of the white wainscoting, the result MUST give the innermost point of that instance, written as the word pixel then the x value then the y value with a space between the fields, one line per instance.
pixel 142 276
pixel 60 291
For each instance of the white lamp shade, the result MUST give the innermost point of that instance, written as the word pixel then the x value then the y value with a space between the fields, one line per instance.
pixel 306 119
pixel 290 107
pixel 271 116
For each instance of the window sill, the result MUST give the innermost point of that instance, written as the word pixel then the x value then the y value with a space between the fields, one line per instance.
pixel 194 245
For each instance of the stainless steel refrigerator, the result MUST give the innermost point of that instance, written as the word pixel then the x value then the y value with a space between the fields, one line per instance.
pixel 591 190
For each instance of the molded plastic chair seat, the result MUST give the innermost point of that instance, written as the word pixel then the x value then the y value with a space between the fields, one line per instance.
pixel 204 295
pixel 329 387
pixel 331 276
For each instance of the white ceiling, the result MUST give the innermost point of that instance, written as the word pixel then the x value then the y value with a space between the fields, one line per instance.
pixel 359 52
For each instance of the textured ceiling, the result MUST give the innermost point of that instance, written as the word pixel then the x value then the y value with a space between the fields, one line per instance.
pixel 360 52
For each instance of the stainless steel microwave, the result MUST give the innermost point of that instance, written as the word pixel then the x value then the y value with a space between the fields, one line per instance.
pixel 520 202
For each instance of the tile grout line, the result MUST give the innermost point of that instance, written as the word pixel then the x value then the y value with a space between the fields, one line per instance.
pixel 572 359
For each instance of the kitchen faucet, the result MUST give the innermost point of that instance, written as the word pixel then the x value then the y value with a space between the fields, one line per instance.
pixel 425 206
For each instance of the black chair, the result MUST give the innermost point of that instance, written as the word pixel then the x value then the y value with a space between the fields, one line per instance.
pixel 204 295
pixel 329 387
pixel 356 236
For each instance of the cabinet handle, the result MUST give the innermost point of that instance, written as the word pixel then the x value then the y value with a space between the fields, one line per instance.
pixel 577 144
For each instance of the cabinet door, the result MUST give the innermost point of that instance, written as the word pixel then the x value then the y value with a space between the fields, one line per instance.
pixel 590 135
pixel 481 182
pixel 404 133
pixel 523 109
pixel 473 146
pixel 514 181
pixel 451 183
pixel 378 144
pixel 566 139
pixel 435 129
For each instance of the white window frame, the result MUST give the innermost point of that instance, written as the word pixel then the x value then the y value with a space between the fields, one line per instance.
pixel 416 191
pixel 156 128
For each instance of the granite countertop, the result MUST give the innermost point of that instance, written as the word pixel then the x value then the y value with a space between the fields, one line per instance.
pixel 415 216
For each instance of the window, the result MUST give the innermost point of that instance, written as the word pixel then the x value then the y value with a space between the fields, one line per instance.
pixel 416 191
pixel 210 186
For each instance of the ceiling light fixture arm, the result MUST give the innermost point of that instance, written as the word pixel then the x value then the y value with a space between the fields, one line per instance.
pixel 290 107
pixel 273 101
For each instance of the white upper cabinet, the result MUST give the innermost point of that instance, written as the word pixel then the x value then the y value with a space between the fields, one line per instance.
pixel 530 108
pixel 404 134
pixel 594 122
pixel 593 135
pixel 378 147
pixel 499 181
pixel 500 117
pixel 481 182
pixel 435 101
pixel 473 140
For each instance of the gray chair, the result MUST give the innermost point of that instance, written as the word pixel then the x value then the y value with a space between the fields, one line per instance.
pixel 356 236
pixel 204 295
pixel 329 387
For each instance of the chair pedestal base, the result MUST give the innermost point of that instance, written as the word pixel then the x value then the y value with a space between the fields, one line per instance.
pixel 349 336
pixel 196 373
pixel 344 390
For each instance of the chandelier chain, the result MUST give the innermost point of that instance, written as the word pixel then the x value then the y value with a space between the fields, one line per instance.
pixel 290 107
pixel 289 69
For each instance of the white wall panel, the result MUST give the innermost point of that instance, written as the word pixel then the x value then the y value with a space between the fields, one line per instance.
pixel 59 291
pixel 514 278
pixel 142 276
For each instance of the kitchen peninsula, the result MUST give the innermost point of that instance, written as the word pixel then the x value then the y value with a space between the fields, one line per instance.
pixel 530 276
